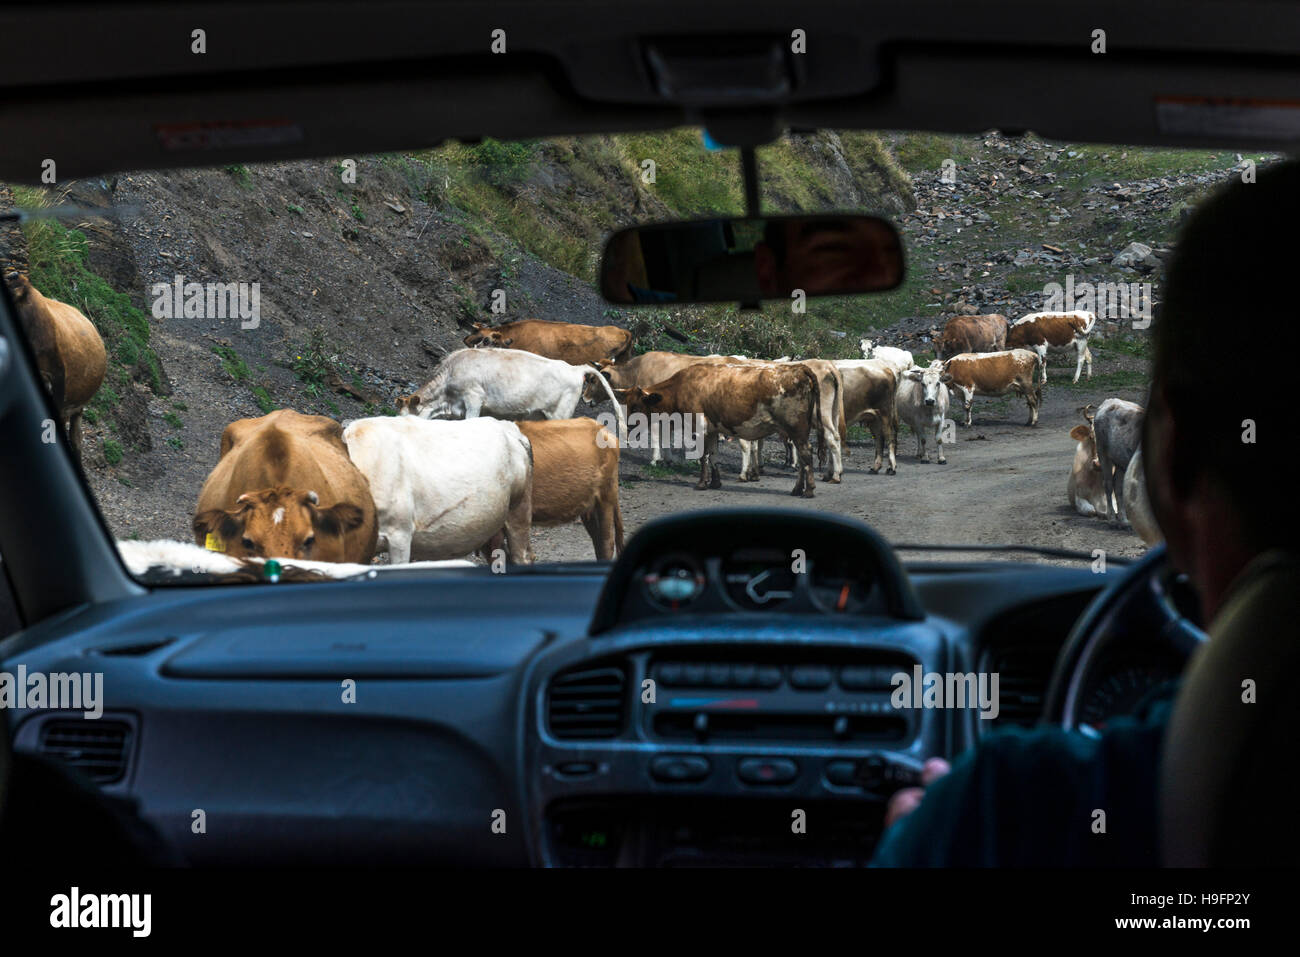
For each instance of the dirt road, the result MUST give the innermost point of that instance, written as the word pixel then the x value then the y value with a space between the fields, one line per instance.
pixel 1004 483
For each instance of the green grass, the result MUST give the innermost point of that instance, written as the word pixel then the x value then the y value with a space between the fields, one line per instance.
pixel 1115 379
pixel 240 174
pixel 263 399
pixel 668 468
pixel 180 406
pixel 234 366
pixel 112 451
pixel 175 443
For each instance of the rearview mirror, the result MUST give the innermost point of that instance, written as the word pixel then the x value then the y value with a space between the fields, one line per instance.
pixel 738 259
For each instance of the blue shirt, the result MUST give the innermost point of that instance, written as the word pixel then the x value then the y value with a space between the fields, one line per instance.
pixel 1029 798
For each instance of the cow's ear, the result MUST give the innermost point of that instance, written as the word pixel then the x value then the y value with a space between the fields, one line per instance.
pixel 338 519
pixel 620 394
pixel 916 375
pixel 227 525
pixel 1080 432
pixel 652 398
pixel 945 378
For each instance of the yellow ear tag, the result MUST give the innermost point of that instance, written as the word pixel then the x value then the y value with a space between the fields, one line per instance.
pixel 214 543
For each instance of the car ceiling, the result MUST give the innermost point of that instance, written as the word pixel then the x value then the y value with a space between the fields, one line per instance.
pixel 116 86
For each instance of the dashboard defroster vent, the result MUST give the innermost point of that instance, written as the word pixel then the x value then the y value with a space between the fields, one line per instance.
pixel 590 703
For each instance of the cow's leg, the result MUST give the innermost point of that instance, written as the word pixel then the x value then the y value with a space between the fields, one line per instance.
pixel 519 526
pixel 74 434
pixel 872 422
pixel 791 459
pixel 711 443
pixel 600 526
pixel 1081 348
pixel 938 439
pixel 473 403
pixel 836 470
pixel 920 444
pixel 399 546
pixel 889 424
pixel 806 482
pixel 1034 398
pixel 749 452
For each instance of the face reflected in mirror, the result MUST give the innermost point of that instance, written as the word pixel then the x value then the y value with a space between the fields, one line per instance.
pixel 745 260
pixel 824 255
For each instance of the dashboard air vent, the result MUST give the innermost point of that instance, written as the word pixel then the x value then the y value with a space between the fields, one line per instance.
pixel 587 704
pixel 1023 669
pixel 99 748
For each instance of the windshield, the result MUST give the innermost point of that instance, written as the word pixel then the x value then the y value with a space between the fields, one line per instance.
pixel 343 292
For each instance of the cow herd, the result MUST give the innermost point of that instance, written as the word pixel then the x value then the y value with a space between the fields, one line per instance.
pixel 490 446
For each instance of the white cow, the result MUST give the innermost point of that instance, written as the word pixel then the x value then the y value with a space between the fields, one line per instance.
pixel 1040 331
pixel 1117 427
pixel 922 401
pixel 443 489
pixel 505 384
pixel 900 359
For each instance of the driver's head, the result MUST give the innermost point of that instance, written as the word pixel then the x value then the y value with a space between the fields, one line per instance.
pixel 825 254
pixel 1217 429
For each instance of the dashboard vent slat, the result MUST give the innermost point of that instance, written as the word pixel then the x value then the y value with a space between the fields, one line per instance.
pixel 1024 671
pixel 99 748
pixel 587 704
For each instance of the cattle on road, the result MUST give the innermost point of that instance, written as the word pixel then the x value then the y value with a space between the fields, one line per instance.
pixel 1136 502
pixel 69 351
pixel 923 404
pixel 284 487
pixel 445 489
pixel 504 384
pixel 1040 331
pixel 965 334
pixel 1118 428
pixel 567 341
pixel 1084 488
pixel 870 397
pixel 997 373
pixel 900 359
pixel 575 476
pixel 743 401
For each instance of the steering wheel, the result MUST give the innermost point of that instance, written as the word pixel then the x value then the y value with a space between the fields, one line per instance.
pixel 1140 606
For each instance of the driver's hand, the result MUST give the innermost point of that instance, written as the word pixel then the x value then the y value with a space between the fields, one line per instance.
pixel 904 802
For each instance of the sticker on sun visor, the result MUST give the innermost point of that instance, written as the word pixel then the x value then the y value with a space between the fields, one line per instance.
pixel 186 137
pixel 1228 117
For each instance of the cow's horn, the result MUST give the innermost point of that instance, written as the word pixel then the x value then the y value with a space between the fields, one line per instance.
pixel 313 498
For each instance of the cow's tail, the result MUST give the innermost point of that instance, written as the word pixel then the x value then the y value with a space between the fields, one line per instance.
pixel 815 407
pixel 1092 321
pixel 618 409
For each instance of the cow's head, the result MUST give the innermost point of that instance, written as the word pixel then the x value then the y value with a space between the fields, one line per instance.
pixel 593 388
pixel 637 399
pixel 1084 434
pixel 484 338
pixel 866 346
pixel 930 379
pixel 407 404
pixel 279 523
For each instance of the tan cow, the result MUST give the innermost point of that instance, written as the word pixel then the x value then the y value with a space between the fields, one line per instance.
pixel 285 487
pixel 644 371
pixel 829 427
pixel 871 397
pixel 568 341
pixel 70 354
pixel 1040 331
pixel 743 401
pixel 1083 490
pixel 997 373
pixel 972 334
pixel 575 476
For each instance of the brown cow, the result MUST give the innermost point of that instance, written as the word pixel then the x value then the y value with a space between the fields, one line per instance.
pixel 568 341
pixel 870 397
pixel 997 373
pixel 972 334
pixel 743 401
pixel 1040 331
pixel 70 354
pixel 285 487
pixel 644 371
pixel 575 476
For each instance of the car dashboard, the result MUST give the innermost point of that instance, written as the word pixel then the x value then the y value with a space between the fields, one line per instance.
pixel 721 695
